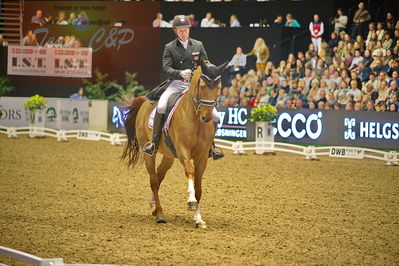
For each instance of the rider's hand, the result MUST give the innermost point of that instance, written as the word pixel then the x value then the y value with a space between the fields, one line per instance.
pixel 186 74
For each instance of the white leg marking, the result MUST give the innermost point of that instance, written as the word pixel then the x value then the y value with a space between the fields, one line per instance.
pixel 198 218
pixel 152 201
pixel 191 191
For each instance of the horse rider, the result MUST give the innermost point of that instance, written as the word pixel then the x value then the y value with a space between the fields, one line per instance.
pixel 179 58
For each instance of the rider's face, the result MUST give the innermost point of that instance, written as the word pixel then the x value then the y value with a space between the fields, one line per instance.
pixel 183 33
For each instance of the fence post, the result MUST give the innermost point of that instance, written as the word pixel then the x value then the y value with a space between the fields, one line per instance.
pixel 391 157
pixel 61 136
pixel 238 147
pixel 11 132
pixel 310 153
pixel 116 139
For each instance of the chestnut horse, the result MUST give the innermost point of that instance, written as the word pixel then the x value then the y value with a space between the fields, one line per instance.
pixel 191 130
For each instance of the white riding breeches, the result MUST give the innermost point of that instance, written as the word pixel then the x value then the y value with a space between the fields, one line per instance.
pixel 178 86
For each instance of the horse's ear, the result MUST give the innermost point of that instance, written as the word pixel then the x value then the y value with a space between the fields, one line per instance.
pixel 204 67
pixel 222 67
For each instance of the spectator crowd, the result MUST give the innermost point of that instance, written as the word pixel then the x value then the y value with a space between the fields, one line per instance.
pixel 357 69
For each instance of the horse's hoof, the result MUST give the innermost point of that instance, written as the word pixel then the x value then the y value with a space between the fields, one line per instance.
pixel 201 225
pixel 154 213
pixel 192 206
pixel 161 219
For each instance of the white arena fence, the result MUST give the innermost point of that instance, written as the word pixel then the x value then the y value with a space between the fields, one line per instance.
pixel 238 147
pixel 32 259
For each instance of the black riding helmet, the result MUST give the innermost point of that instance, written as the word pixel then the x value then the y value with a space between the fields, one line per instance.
pixel 181 21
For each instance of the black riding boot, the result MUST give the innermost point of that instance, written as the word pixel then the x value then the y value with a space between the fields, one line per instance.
pixel 152 147
pixel 212 152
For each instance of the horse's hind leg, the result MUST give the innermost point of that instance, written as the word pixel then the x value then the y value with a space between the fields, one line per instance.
pixel 154 182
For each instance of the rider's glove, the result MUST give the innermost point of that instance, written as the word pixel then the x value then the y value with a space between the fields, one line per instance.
pixel 186 74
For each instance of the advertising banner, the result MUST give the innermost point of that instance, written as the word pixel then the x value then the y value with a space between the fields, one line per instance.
pixel 309 127
pixel 59 113
pixel 51 62
pixel 345 128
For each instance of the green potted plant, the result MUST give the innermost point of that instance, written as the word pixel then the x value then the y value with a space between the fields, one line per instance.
pixel 35 106
pixel 264 117
pixel 4 87
pixel 131 90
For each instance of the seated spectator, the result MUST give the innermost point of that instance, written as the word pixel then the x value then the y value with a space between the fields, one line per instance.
pixel 159 22
pixel 30 39
pixel 392 90
pixel 312 95
pixel 224 96
pixel 370 107
pixel 358 106
pixel 281 98
pixel 312 105
pixel 387 42
pixel 278 21
pixel 208 21
pixel 395 49
pixel 354 89
pixel 61 19
pixel 349 106
pixel 382 92
pixel 393 107
pixel 73 20
pixel 390 22
pixel 2 41
pixel 321 97
pixel 49 20
pixel 381 107
pixel 371 32
pixel 380 32
pixel 234 23
pixel 298 104
pixel 193 22
pixel 83 19
pixel 367 59
pixel 388 57
pixel 395 77
pixel 394 99
pixel 38 19
pixel 378 67
pixel 284 86
pixel 340 21
pixel 356 60
pixel 321 105
pixel 238 62
pixel 291 22
pixel 79 95
pixel 364 72
pixel 333 42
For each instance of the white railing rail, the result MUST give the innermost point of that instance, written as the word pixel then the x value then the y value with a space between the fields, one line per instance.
pixel 310 152
pixel 32 259
pixel 238 147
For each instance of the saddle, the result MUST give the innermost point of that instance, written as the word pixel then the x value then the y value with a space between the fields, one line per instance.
pixel 154 95
pixel 173 102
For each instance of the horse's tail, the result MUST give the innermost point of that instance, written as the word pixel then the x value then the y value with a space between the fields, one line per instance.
pixel 131 151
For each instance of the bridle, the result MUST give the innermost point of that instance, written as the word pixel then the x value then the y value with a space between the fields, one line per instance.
pixel 197 100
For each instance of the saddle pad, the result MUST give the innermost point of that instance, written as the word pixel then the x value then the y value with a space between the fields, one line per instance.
pixel 173 102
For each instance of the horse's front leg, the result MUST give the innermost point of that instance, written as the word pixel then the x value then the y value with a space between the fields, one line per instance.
pixel 189 171
pixel 200 165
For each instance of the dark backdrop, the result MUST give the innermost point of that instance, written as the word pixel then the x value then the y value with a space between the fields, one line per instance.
pixel 252 12
pixel 143 55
